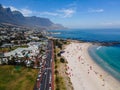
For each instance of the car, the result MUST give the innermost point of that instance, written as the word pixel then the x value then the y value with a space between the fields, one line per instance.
pixel 51 60
pixel 41 64
pixel 50 86
pixel 50 79
pixel 45 73
pixel 38 79
pixel 39 72
pixel 39 75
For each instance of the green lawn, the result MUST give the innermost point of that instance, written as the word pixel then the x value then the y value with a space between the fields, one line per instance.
pixel 17 78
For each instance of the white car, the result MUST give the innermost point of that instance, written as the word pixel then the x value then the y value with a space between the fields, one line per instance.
pixel 39 76
pixel 50 88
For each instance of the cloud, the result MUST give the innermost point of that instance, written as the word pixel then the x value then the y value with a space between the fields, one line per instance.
pixel 62 13
pixel 96 10
pixel 66 12
pixel 107 23
pixel 110 24
pixel 48 13
pixel 26 12
pixel 11 7
pixel 73 4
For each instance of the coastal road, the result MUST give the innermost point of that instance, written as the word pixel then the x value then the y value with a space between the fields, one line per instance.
pixel 46 79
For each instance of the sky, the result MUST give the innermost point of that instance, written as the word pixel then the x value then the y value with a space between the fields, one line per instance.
pixel 71 13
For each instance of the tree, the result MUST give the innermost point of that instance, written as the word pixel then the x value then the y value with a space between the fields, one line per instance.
pixel 12 61
pixel 62 60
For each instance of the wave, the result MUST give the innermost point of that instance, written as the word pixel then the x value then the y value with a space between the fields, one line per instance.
pixel 98 47
pixel 55 32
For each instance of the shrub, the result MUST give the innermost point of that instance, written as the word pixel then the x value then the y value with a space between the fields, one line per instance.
pixel 56 72
pixel 62 60
pixel 57 80
pixel 59 55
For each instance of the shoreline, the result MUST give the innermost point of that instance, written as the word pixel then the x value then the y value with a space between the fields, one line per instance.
pixel 102 64
pixel 99 43
pixel 85 73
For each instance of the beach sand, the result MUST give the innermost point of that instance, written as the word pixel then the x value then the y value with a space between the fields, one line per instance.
pixel 84 73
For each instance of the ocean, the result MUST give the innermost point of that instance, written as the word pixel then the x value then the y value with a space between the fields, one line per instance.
pixel 108 57
pixel 100 35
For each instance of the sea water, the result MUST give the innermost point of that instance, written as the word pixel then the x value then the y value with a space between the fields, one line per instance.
pixel 100 35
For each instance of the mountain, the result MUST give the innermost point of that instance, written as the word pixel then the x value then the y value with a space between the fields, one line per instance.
pixel 17 18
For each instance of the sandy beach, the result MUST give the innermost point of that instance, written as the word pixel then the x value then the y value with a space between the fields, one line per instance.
pixel 84 73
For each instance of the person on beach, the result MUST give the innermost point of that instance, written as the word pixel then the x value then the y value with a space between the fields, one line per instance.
pixel 90 67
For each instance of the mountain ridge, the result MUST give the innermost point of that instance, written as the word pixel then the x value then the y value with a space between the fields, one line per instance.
pixel 17 18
